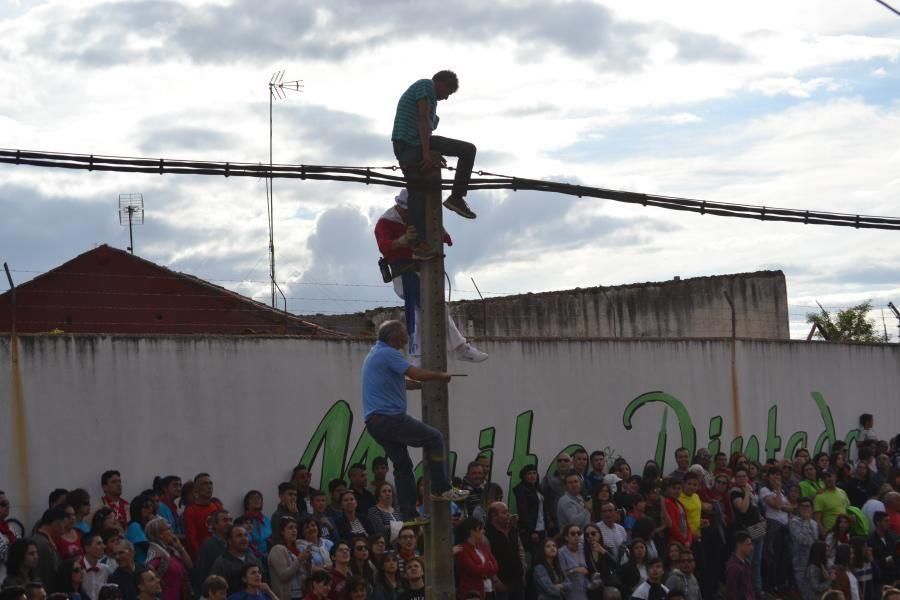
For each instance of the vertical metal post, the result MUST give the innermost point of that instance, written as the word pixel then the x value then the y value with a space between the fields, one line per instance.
pixel 130 229
pixel 735 393
pixel 270 201
pixel 12 300
pixel 439 540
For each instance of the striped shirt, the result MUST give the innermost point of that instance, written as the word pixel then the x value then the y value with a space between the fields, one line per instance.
pixel 406 119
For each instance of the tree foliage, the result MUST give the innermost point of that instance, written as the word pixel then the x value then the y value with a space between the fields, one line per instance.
pixel 848 325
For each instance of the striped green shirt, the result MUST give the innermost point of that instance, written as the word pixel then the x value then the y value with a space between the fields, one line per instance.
pixel 406 120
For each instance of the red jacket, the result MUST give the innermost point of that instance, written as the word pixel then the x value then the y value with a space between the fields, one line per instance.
pixel 197 528
pixel 679 530
pixel 471 571
pixel 391 226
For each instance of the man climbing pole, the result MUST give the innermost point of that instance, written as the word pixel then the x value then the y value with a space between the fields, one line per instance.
pixel 394 235
pixel 386 375
pixel 415 119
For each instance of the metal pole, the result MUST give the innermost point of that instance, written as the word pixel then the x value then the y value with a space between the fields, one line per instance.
pixel 130 230
pixel 12 300
pixel 438 541
pixel 735 394
pixel 271 207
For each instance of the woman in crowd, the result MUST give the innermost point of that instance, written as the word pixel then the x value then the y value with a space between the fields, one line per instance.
pixel 357 588
pixel 744 503
pixel 21 562
pixel 340 570
pixel 651 471
pixel 776 545
pixel 349 523
pixel 844 580
pixel 68 545
pixel 319 549
pixel 647 530
pixel 288 565
pixel 105 519
pixel 810 484
pixel 254 586
pixel 258 524
pixel 599 496
pixel 549 581
pixel 169 559
pixel 377 547
pixel 384 513
pixel 530 503
pixel 818 575
pixel 475 563
pixel 80 500
pixel 319 586
pixel 415 581
pixel 360 565
pixel 388 584
pixel 673 555
pixel 600 564
pixel 863 568
pixel 838 534
pixel 69 579
pixel 141 511
pixel 634 571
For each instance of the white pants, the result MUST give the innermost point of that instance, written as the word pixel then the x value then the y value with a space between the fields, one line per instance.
pixel 455 339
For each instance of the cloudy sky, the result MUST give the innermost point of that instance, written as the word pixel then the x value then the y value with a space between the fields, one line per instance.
pixel 791 104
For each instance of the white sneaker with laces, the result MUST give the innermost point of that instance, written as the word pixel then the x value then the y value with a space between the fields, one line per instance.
pixel 469 353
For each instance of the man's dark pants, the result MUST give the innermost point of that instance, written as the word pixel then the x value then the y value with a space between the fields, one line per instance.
pixel 410 156
pixel 397 432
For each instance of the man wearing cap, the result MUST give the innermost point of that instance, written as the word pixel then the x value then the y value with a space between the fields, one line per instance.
pixel 831 502
pixel 395 236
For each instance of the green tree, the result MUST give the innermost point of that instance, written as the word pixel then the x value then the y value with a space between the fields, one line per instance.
pixel 848 325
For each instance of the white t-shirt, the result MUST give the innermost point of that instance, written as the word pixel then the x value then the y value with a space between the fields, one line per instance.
pixel 539 524
pixel 642 591
pixel 613 538
pixel 776 514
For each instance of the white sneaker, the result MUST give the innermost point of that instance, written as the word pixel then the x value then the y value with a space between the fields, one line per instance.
pixel 451 495
pixel 469 353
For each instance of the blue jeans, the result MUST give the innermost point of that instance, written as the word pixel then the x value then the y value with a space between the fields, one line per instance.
pixel 756 565
pixel 410 156
pixel 396 433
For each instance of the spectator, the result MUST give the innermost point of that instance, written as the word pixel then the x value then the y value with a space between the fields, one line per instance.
pixel 21 563
pixel 13 593
pixel 613 535
pixel 476 566
pixel 810 485
pixel 168 489
pixel 95 573
pixel 197 523
pixel 50 528
pixel 863 568
pixel 580 464
pixel 288 565
pixel 302 480
pixel 597 471
pixel 415 581
pixel 148 584
pixel 388 585
pixel 634 572
pixel 883 543
pixel 80 501
pixel 359 482
pixel 738 574
pixel 336 489
pixel 214 588
pixel 506 545
pixel 68 544
pixel 360 564
pixel 141 511
pixel 602 569
pixel 214 546
pixel 288 505
pixel 830 502
pixel 111 484
pixel 653 588
pixel 573 563
pixel 377 547
pixel 839 534
pixel 35 590
pixel 682 578
pixel 110 537
pixel 357 588
pixel 744 503
pixel 679 530
pixel 818 576
pixel 804 532
pixel 570 508
pixel 105 519
pixel 530 503
pixel 473 482
pixel 892 505
pixel 259 525
pixel 350 523
pixel 319 586
pixel 720 464
pixel 340 570
pixel 168 557
pixel 69 579
pixel 7 535
pixel 865 431
pixel 873 503
pixel 124 575
pixel 238 554
pixel 492 493
pixel 327 528
pixel 776 544
pixel 549 580
pixel 406 547
pixel 319 548
pixel 383 516
pixel 682 462
pixel 252 585
pixel 844 580
pixel 554 487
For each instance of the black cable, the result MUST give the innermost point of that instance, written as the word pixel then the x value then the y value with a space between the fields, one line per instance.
pixel 482 181
pixel 889 7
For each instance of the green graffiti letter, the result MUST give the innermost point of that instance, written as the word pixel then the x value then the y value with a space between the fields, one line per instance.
pixel 486 448
pixel 827 435
pixel 688 433
pixel 715 430
pixel 365 451
pixel 752 449
pixel 333 433
pixel 773 441
pixel 797 440
pixel 521 454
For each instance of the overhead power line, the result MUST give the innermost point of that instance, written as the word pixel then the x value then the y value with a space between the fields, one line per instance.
pixel 889 7
pixel 482 181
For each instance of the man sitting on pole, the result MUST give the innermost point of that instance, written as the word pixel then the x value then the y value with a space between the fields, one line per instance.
pixel 386 375
pixel 415 119
pixel 394 235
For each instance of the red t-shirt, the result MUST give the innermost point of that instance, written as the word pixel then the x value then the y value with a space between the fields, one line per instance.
pixel 197 526
pixel 67 549
pixel 119 507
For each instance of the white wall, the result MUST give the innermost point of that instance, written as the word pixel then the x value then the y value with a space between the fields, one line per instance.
pixel 244 409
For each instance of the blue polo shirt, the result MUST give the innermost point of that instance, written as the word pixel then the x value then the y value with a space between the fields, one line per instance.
pixel 384 382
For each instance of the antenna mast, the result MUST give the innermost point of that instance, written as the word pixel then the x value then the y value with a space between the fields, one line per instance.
pixel 278 89
pixel 131 211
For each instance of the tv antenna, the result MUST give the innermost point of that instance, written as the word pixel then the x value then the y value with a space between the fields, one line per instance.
pixel 278 89
pixel 131 211
pixel 896 314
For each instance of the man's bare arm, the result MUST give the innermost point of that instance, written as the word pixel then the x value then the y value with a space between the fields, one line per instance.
pixel 424 122
pixel 417 374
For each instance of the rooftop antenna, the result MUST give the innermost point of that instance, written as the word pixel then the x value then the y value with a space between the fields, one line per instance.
pixel 896 314
pixel 278 89
pixel 131 211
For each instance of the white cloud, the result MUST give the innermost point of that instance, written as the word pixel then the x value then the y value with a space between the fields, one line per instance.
pixel 773 86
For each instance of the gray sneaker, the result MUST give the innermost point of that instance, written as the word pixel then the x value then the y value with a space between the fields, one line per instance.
pixel 459 206
pixel 451 495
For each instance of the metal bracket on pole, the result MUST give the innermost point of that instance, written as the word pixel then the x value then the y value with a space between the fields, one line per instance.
pixel 438 540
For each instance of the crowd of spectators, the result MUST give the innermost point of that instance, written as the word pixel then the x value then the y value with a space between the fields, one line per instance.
pixel 718 526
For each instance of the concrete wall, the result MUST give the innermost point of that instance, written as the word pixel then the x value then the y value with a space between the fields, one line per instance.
pixel 246 409
pixel 687 308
